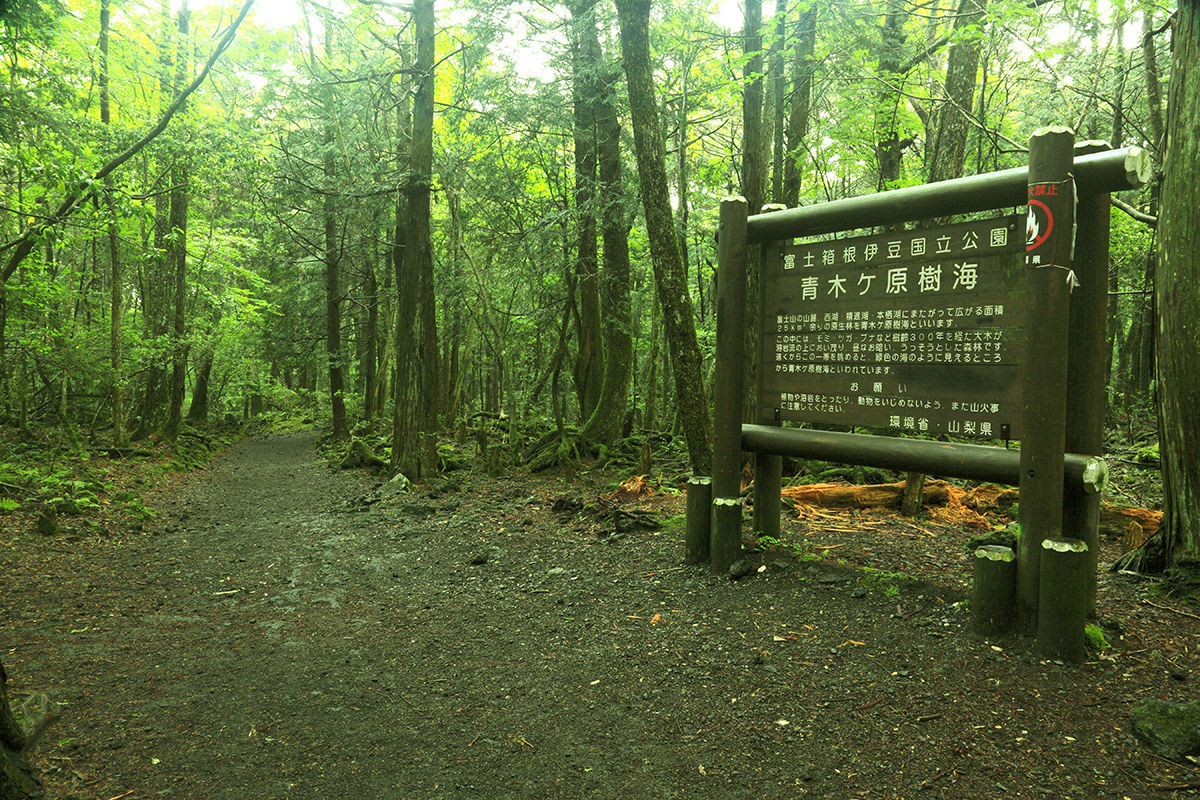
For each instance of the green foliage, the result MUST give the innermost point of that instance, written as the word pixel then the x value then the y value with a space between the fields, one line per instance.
pixel 890 583
pixel 675 523
pixel 798 550
pixel 136 507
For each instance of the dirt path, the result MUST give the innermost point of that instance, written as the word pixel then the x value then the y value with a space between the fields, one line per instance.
pixel 279 639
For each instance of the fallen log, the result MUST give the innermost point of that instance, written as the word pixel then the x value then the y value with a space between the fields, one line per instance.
pixel 1129 524
pixel 879 495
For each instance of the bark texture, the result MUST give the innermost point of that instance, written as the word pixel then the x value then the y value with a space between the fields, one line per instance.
pixel 417 390
pixel 1177 294
pixel 803 68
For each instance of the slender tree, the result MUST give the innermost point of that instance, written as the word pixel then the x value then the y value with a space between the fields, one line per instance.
pixel 114 241
pixel 634 19
pixel 958 102
pixel 585 87
pixel 176 250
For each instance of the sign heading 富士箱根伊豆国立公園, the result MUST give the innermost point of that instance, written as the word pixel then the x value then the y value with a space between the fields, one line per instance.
pixel 921 331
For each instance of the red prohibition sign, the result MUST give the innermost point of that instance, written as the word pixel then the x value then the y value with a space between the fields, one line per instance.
pixel 1034 234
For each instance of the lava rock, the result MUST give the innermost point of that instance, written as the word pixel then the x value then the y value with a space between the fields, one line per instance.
pixel 741 568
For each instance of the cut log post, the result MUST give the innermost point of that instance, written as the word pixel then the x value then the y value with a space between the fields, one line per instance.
pixel 995 587
pixel 725 545
pixel 1062 599
pixel 699 519
pixel 768 480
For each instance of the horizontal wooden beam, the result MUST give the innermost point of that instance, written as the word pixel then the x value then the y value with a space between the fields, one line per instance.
pixel 1096 173
pixel 946 459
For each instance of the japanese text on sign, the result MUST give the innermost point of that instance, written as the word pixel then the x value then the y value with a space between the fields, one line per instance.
pixel 919 330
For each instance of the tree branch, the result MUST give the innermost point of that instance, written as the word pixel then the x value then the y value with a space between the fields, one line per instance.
pixel 1140 216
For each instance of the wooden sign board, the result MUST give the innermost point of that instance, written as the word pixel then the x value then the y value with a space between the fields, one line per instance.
pixel 921 331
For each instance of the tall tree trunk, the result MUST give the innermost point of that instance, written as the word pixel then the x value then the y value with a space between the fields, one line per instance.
pixel 588 370
pixel 779 94
pixel 682 173
pixel 1153 86
pixel 798 114
pixel 1143 338
pixel 634 19
pixel 954 114
pixel 607 420
pixel 370 358
pixel 419 417
pixel 332 246
pixel 888 148
pixel 752 106
pixel 404 427
pixel 1178 295
pixel 755 149
pixel 421 236
pixel 177 253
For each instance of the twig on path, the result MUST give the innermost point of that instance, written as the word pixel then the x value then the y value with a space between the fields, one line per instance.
pixel 231 591
pixel 1168 608
pixel 928 717
pixel 652 574
pixel 928 782
pixel 119 796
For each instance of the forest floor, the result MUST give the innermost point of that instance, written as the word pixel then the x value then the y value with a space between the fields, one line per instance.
pixel 282 630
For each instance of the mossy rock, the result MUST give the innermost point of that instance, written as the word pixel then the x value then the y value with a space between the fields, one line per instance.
pixel 47 522
pixel 1171 730
pixel 1148 455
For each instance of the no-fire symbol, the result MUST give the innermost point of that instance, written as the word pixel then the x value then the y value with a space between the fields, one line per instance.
pixel 1038 224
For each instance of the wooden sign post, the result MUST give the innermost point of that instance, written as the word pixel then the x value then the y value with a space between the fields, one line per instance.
pixel 1050 240
pixel 975 328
